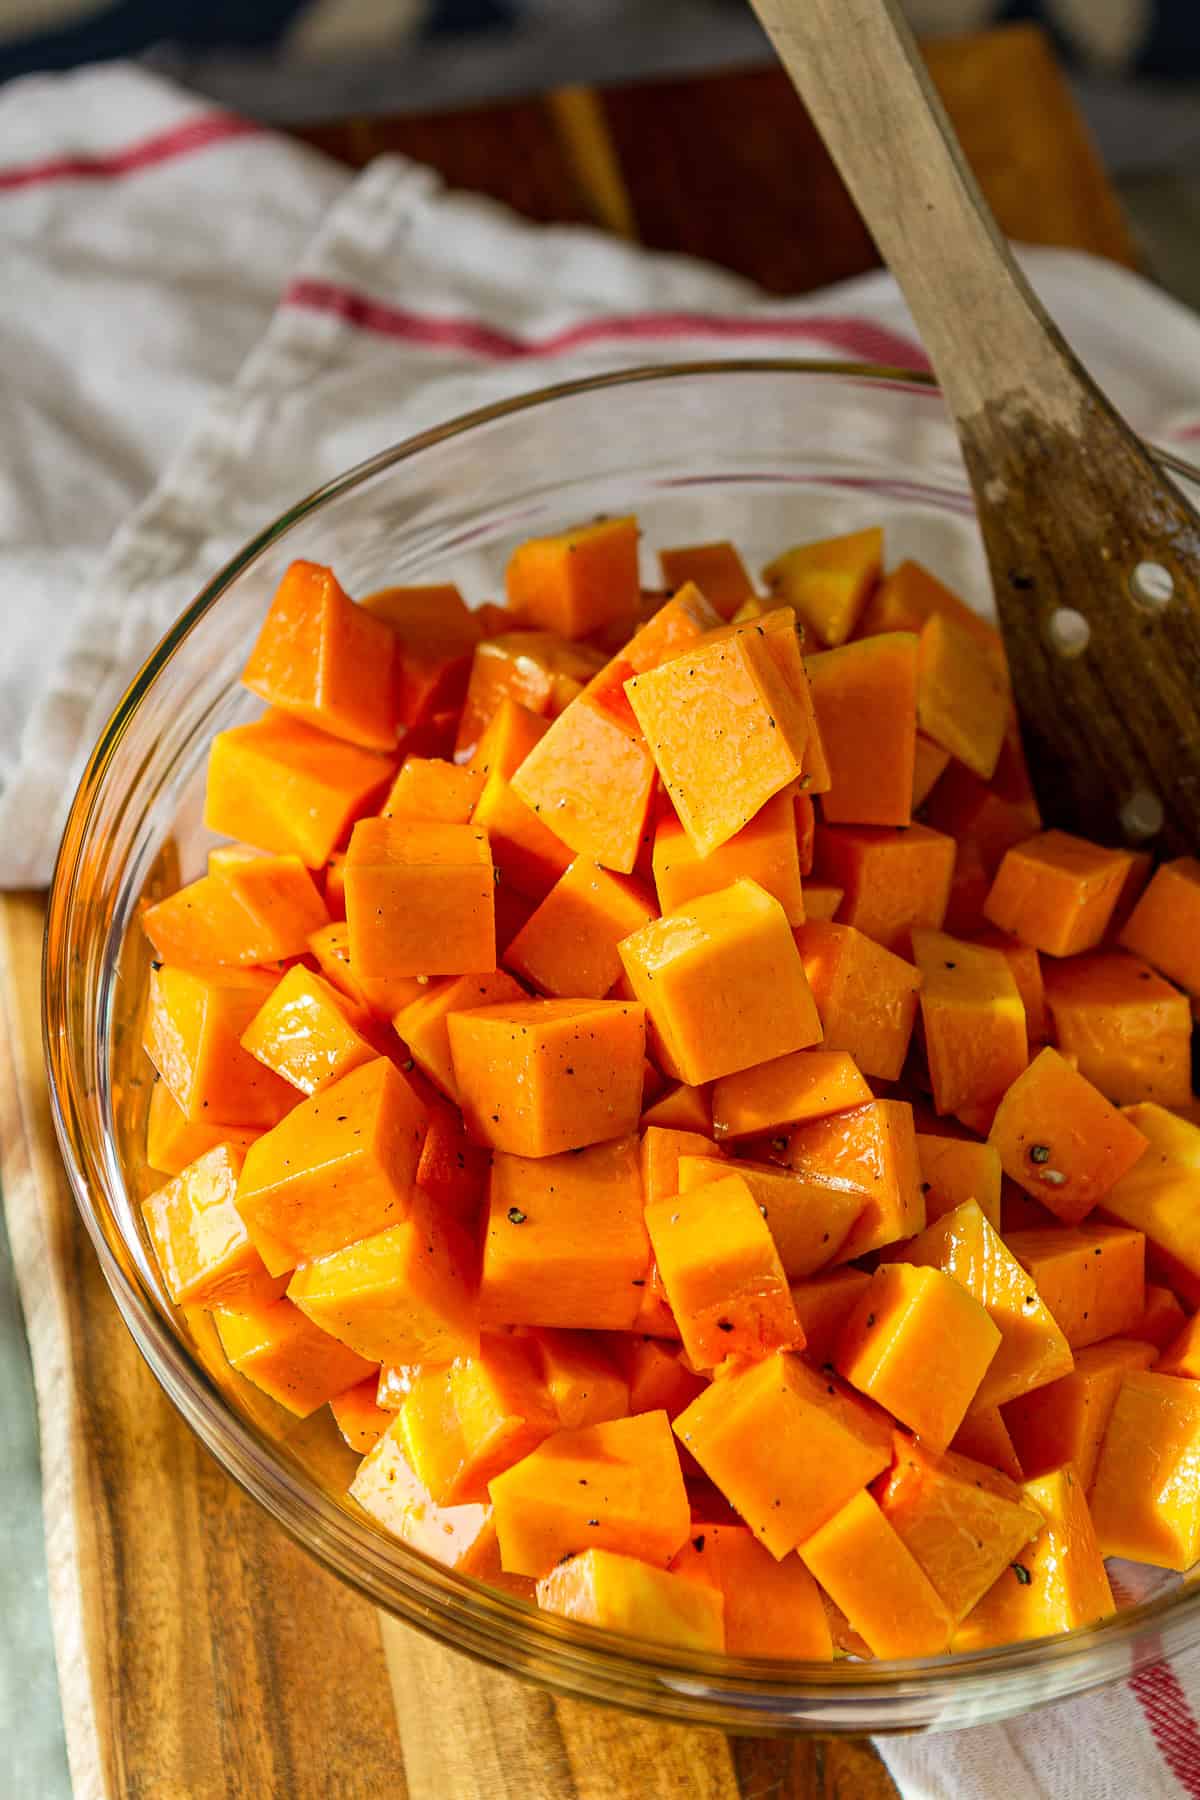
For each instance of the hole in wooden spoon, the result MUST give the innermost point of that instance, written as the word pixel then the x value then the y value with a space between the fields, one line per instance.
pixel 1068 631
pixel 1152 586
pixel 1142 815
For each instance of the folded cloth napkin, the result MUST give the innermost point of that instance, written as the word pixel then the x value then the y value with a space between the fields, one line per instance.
pixel 200 322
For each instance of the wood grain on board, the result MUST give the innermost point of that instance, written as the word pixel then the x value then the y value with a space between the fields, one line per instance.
pixel 202 1656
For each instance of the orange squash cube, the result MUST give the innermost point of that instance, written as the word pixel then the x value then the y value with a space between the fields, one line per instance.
pixel 962 694
pixel 567 948
pixel 918 1344
pixel 435 637
pixel 528 856
pixel 1093 1279
pixel 871 1153
pixel 726 728
pixel 579 580
pixel 974 1021
pixel 602 816
pixel 1026 966
pixel 984 1437
pixel 1059 1581
pixel 910 594
pixel 420 899
pixel 565 1240
pixel 407 1294
pixel 282 785
pixel 962 1520
pixel 1032 1350
pixel 326 661
pixel 871 772
pixel 891 880
pixel 764 851
pixel 340 1167
pixel 658 1379
pixel 828 583
pixel 423 1024
pixel 1164 925
pixel 507 739
pixel 987 818
pixel 535 1077
pixel 458 1537
pixel 680 621
pixel 717 570
pixel 538 670
pixel 957 1169
pixel 662 1146
pixel 1057 892
pixel 823 1303
pixel 722 983
pixel 282 1352
pixel 866 997
pixel 452 1170
pixel 464 1423
pixel 260 909
pixel 191 1034
pixel 806 1084
pixel 616 1486
pixel 173 1140
pixel 771 1608
pixel 433 790
pixel 200 1240
pixel 786 1446
pixel 330 948
pixel 308 1033
pixel 358 1418
pixel 1130 1029
pixel 1158 1196
pixel 870 1573
pixel 681 1108
pixel 808 1223
pixel 1065 1421
pixel 1060 1140
pixel 583 1381
pixel 1146 1491
pixel 721 1271
pixel 621 1593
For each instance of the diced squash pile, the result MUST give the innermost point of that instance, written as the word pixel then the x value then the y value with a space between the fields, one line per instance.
pixel 733 1176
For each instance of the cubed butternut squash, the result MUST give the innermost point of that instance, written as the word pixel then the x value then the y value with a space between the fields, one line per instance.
pixel 722 983
pixel 536 1077
pixel 865 996
pixel 788 1090
pixel 624 1594
pixel 1092 1278
pixel 717 570
pixel 420 899
pixel 565 1240
pixel 1057 1583
pixel 974 1020
pixel 1057 892
pixel 1164 925
pixel 787 1446
pixel 1130 1029
pixel 871 771
pixel 1061 1140
pixel 325 661
pixel 770 1608
pixel 870 1573
pixel 290 1358
pixel 918 1344
pixel 829 582
pixel 577 581
pixel 1065 1421
pixel 567 948
pixel 435 636
pixel 615 1486
pixel 891 881
pixel 871 1153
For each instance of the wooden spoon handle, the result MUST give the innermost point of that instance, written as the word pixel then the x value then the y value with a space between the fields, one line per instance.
pixel 854 61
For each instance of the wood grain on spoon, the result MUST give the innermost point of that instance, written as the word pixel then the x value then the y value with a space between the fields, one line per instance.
pixel 1105 664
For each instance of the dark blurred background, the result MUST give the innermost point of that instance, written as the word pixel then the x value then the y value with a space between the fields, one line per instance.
pixel 1134 64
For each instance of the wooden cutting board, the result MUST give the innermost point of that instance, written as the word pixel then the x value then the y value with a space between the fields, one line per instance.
pixel 201 1655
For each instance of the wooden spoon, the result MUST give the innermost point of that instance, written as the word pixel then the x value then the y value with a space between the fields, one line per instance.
pixel 1094 553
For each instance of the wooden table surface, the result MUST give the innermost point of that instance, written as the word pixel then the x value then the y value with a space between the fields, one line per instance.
pixel 201 1655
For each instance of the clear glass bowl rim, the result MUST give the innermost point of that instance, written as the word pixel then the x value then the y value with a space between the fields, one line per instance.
pixel 741 1695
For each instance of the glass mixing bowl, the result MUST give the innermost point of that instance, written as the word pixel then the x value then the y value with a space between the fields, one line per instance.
pixel 766 453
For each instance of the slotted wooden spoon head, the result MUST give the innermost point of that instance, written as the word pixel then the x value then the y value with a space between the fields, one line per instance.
pixel 1094 552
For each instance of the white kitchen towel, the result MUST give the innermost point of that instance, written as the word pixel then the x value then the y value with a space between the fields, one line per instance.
pixel 150 250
